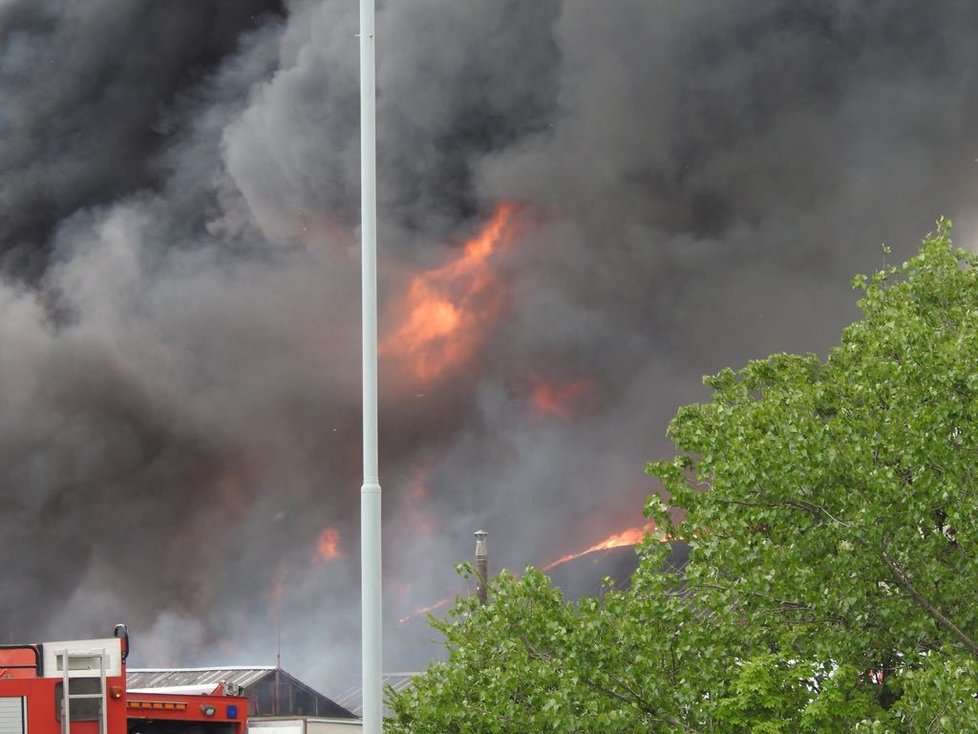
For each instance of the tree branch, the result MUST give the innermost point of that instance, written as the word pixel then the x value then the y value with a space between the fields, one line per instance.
pixel 818 509
pixel 788 504
pixel 903 579
pixel 937 716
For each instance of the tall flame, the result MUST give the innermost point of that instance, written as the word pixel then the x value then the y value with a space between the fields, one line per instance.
pixel 447 306
pixel 631 536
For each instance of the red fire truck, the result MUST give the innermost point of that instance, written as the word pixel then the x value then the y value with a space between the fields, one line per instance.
pixel 79 687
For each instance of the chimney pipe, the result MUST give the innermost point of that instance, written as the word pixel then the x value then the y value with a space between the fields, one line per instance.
pixel 481 566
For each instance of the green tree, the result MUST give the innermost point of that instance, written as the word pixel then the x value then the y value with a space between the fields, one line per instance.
pixel 831 511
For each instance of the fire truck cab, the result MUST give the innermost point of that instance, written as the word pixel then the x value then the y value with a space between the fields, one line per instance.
pixel 79 687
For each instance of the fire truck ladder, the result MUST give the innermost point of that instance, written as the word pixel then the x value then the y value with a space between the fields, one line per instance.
pixel 77 665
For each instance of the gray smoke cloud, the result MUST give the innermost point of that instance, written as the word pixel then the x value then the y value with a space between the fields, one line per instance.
pixel 179 339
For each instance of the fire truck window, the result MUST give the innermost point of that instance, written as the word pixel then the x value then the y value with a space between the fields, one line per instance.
pixel 83 709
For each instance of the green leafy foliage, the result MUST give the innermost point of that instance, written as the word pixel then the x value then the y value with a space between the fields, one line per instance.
pixel 831 509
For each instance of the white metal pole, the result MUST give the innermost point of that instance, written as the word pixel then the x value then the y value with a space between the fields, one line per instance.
pixel 370 556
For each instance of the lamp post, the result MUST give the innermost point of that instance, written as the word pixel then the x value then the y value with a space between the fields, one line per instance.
pixel 370 556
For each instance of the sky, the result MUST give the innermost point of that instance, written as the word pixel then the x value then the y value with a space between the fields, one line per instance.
pixel 583 209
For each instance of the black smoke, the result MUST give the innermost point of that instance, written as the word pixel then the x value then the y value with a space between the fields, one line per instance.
pixel 89 88
pixel 179 341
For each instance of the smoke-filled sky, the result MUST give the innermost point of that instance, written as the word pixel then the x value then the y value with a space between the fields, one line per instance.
pixel 675 187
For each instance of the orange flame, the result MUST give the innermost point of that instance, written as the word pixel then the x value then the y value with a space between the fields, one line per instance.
pixel 446 306
pixel 632 536
pixel 625 538
pixel 424 610
pixel 560 399
pixel 328 545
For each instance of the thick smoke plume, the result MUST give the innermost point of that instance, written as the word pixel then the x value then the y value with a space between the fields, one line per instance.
pixel 694 182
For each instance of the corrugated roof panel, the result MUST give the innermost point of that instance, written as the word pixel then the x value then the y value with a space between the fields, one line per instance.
pixel 166 677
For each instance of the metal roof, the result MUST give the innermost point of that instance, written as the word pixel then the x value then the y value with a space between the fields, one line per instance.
pixel 203 690
pixel 168 677
pixel 247 677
